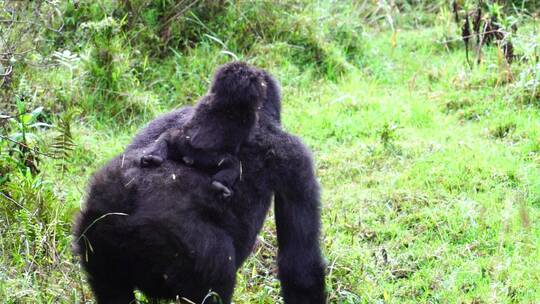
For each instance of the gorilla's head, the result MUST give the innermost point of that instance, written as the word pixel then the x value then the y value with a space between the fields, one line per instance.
pixel 239 85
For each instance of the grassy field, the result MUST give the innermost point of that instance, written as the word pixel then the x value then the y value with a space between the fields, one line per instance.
pixel 430 169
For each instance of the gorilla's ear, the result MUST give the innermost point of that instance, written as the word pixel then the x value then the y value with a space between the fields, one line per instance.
pixel 272 103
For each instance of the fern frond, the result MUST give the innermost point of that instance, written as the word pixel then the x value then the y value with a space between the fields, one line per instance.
pixel 63 144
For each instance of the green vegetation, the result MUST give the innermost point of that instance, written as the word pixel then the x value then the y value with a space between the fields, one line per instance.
pixel 430 167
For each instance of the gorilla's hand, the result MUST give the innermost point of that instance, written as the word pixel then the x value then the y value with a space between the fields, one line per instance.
pixel 156 152
pixel 151 160
pixel 226 192
pixel 188 160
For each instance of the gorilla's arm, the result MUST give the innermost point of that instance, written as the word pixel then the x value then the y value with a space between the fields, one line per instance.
pixel 297 204
pixel 173 120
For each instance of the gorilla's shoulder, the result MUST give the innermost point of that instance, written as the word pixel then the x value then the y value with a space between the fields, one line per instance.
pixel 291 149
pixel 280 147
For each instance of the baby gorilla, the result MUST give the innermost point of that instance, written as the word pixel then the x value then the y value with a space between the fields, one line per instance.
pixel 221 122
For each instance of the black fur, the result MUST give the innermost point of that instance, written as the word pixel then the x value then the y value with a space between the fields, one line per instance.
pixel 162 231
pixel 221 122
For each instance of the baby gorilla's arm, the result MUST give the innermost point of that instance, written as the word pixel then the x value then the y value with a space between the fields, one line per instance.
pixel 229 172
pixel 228 167
pixel 157 152
pixel 172 144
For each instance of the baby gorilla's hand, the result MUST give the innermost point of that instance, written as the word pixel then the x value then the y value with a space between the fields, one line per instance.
pixel 226 192
pixel 151 160
pixel 188 160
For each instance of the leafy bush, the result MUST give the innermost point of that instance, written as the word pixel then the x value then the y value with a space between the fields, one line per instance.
pixel 19 146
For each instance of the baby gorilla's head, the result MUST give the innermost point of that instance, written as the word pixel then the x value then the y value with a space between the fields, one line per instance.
pixel 237 84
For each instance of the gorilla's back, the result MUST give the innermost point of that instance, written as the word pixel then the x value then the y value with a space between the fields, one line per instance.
pixel 148 224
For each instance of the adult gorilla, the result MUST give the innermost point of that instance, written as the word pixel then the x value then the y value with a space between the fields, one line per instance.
pixel 163 231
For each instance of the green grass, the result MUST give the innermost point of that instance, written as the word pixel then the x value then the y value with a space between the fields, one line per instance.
pixel 442 211
pixel 430 173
